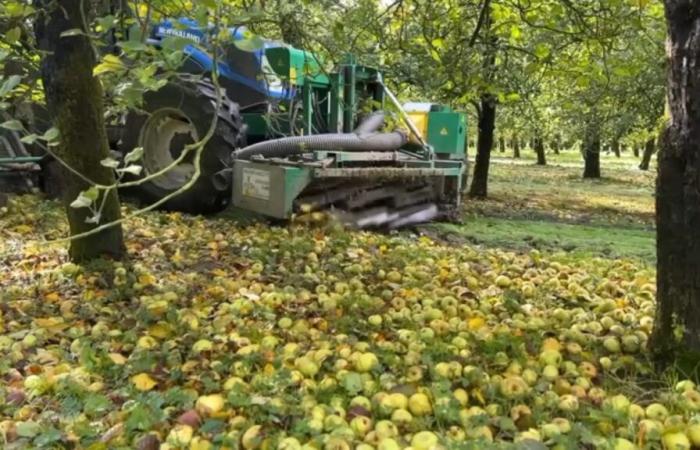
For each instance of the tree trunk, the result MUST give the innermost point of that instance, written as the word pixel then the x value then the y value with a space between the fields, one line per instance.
pixel 635 150
pixel 516 147
pixel 487 123
pixel 556 144
pixel 75 104
pixel 677 325
pixel 539 149
pixel 591 152
pixel 616 148
pixel 649 149
pixel 502 144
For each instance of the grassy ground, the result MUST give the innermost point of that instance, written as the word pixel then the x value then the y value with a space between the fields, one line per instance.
pixel 553 208
pixel 216 333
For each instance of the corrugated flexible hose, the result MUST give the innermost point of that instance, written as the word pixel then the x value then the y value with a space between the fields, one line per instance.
pixel 364 138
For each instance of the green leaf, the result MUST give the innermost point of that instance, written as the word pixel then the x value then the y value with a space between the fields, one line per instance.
pixel 105 23
pixel 86 198
pixel 9 84
pixel 251 44
pixel 212 426
pixel 96 404
pixel 134 155
pixel 47 437
pixel 29 139
pixel 175 43
pixel 72 32
pixel 28 429
pixel 141 417
pixel 81 202
pixel 352 382
pixel 14 125
pixel 110 162
pixel 93 193
pixel 110 63
pixel 515 33
pixel 133 46
pixel 541 51
pixel 51 134
pixel 132 169
pixel 13 35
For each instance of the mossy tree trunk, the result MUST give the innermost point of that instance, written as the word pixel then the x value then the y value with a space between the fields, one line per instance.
pixel 591 151
pixel 616 147
pixel 502 144
pixel 676 332
pixel 516 146
pixel 556 143
pixel 487 123
pixel 649 149
pixel 74 100
pixel 539 149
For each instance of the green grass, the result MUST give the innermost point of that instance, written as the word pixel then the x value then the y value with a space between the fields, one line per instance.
pixel 622 197
pixel 552 208
pixel 581 240
pixel 627 159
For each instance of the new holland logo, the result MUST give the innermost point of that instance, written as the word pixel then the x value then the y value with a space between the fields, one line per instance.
pixel 180 33
pixel 444 131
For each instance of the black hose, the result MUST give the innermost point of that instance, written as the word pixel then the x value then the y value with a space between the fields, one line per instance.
pixel 364 138
pixel 381 142
pixel 372 123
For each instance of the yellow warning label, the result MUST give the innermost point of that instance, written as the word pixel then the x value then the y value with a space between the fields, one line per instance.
pixel 443 132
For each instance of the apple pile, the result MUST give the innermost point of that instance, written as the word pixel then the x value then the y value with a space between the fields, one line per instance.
pixel 215 335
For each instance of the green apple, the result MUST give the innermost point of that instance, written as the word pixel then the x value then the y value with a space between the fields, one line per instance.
pixel 656 411
pixel 366 362
pixel 623 444
pixel 675 440
pixel 691 400
pixel 388 444
pixel 180 435
pixel 650 430
pixel 336 443
pixel 514 387
pixel 401 416
pixel 612 344
pixel 306 366
pixel 375 320
pixel 424 440
pixel 568 403
pixel 289 443
pixel 619 403
pixel 419 404
pixel 252 438
pixel 550 430
pixel 550 372
pixel 386 429
pixel 684 385
pixel 550 357
pixel 635 412
pixel 693 432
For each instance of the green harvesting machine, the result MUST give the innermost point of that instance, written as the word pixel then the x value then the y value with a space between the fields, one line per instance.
pixel 292 137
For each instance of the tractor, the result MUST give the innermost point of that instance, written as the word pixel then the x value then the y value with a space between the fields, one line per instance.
pixel 290 137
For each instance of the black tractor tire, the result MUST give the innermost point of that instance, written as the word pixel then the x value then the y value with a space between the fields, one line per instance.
pixel 194 99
